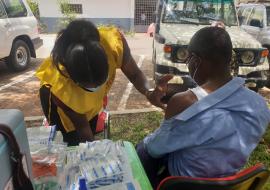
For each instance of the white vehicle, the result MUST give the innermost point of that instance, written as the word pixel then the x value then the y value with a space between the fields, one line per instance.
pixel 255 20
pixel 176 23
pixel 19 34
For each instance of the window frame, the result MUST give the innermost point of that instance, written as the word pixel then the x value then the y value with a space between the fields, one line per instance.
pixel 246 18
pixel 73 8
pixel 24 13
pixel 261 8
pixel 4 10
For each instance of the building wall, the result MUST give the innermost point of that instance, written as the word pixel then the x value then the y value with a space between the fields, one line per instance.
pixel 116 12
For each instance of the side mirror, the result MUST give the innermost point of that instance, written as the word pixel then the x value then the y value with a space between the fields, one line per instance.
pixel 159 38
pixel 157 27
pixel 256 23
pixel 154 17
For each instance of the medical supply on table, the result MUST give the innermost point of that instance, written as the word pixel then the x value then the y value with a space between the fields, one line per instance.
pixel 100 163
pixel 47 155
pixel 91 165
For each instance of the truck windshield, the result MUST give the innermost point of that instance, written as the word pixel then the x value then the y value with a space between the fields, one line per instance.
pixel 199 12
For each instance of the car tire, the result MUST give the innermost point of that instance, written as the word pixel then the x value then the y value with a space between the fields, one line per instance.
pixel 19 57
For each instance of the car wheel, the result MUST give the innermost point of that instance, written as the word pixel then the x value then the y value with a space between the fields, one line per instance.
pixel 19 57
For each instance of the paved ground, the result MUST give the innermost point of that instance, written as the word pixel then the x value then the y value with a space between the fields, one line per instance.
pixel 20 90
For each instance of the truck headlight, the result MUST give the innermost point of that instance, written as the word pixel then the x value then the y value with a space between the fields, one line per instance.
pixel 247 57
pixel 182 54
pixel 250 57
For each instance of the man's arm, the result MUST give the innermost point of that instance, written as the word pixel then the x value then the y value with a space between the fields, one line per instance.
pixel 79 121
pixel 173 135
pixel 138 79
pixel 179 102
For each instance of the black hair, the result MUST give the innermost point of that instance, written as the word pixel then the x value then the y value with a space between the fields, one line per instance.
pixel 213 44
pixel 78 49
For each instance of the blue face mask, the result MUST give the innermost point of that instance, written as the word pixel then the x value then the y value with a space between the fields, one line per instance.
pixel 88 89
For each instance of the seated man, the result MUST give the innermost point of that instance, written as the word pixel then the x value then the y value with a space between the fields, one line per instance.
pixel 211 130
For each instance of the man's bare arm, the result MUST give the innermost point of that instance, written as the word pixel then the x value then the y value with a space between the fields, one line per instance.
pixel 179 102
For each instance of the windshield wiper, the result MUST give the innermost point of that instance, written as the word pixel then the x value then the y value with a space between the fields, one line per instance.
pixel 189 21
pixel 209 18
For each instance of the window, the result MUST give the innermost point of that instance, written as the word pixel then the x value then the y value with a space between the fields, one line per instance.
pixel 256 17
pixel 244 14
pixel 144 11
pixel 74 8
pixel 2 11
pixel 15 8
pixel 202 12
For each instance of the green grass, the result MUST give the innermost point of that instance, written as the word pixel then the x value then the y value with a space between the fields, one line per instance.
pixel 135 127
pixel 262 154
pixel 267 136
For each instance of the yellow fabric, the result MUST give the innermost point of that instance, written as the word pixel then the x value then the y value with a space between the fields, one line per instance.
pixel 69 126
pixel 79 100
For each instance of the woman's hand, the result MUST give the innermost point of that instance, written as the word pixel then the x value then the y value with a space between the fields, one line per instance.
pixel 138 79
pixel 159 92
pixel 219 24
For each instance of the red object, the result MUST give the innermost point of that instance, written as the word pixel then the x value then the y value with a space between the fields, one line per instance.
pixel 102 117
pixel 40 169
pixel 167 48
pixel 105 102
pixel 252 178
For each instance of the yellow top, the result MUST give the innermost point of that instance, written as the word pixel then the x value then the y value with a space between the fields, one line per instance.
pixel 79 100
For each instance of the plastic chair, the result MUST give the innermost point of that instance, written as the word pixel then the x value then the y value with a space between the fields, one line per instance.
pixel 103 122
pixel 252 178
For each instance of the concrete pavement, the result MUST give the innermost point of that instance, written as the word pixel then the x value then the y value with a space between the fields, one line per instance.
pixel 48 43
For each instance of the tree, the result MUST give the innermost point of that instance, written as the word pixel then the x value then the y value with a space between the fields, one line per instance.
pixel 67 12
pixel 33 4
pixel 34 8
